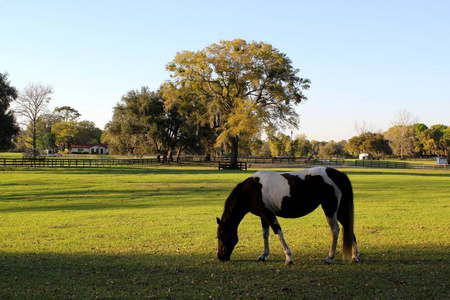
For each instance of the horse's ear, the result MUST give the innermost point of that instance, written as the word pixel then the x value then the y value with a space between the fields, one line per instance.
pixel 218 221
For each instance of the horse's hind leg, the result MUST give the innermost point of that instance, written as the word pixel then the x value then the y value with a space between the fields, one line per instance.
pixel 355 251
pixel 334 226
pixel 266 232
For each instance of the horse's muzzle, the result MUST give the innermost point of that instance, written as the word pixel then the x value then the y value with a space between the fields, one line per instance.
pixel 223 257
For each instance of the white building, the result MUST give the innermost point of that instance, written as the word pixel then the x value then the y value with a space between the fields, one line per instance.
pixel 364 156
pixel 89 148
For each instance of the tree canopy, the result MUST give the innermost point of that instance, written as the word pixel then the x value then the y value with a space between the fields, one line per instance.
pixel 239 88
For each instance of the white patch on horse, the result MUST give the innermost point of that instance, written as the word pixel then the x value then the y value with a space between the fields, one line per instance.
pixel 279 188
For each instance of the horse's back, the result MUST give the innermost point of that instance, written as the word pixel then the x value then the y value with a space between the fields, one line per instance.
pixel 298 193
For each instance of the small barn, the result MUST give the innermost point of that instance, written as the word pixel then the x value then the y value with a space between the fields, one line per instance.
pixel 364 156
pixel 89 149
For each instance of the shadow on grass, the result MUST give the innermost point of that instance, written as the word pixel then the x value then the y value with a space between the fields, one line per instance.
pixel 160 169
pixel 36 275
pixel 92 199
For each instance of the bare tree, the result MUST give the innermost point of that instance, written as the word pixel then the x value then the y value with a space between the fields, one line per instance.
pixel 30 105
pixel 363 127
pixel 404 118
pixel 401 135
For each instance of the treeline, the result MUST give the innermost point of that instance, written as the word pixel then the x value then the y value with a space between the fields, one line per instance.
pixel 58 130
pixel 143 124
pixel 414 140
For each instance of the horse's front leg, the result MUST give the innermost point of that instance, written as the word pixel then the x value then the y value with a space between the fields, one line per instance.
pixel 271 219
pixel 266 232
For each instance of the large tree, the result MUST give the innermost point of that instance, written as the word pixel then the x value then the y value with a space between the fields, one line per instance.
pixel 8 126
pixel 240 88
pixel 136 124
pixel 142 125
pixel 31 105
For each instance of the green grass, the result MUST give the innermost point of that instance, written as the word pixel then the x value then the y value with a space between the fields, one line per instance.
pixel 149 232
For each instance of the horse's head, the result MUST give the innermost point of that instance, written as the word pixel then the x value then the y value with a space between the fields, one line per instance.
pixel 227 239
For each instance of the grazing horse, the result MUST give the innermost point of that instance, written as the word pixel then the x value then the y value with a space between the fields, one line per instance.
pixel 290 195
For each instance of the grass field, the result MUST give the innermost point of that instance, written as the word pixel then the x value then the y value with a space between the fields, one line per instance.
pixel 149 232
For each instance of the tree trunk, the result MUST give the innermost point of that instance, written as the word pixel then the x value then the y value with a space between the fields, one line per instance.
pixel 234 152
pixel 179 151
pixel 170 155
pixel 34 140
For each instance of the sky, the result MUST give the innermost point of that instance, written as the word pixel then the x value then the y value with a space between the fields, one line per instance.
pixel 367 60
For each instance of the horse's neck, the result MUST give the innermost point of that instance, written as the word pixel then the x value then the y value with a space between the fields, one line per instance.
pixel 235 212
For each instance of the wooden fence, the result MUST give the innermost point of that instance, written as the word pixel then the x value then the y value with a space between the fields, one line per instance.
pixel 73 162
pixel 61 162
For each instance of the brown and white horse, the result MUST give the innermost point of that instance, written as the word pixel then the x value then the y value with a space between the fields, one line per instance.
pixel 290 195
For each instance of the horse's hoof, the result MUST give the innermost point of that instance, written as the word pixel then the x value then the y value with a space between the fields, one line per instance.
pixel 356 260
pixel 261 258
pixel 327 261
pixel 289 262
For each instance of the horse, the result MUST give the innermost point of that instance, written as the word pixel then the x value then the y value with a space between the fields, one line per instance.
pixel 295 194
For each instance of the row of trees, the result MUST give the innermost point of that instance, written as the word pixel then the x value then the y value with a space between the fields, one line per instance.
pixel 58 130
pixel 142 124
pixel 415 140
pixel 40 129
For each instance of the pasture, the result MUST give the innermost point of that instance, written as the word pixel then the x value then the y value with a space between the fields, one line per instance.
pixel 149 232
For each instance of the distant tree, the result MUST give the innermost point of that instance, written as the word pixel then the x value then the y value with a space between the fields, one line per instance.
pixel 446 142
pixel 199 132
pixel 302 147
pixel 8 126
pixel 436 143
pixel 401 139
pixel 259 147
pixel 419 130
pixel 67 113
pixel 142 124
pixel 137 126
pixel 372 143
pixel 315 147
pixel 87 133
pixel 401 136
pixel 280 145
pixel 30 105
pixel 65 132
pixel 241 88
pixel 330 150
pixel 45 137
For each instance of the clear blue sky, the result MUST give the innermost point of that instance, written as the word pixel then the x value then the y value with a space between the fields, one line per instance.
pixel 367 60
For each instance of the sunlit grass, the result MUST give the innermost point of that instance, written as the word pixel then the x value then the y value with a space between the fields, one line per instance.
pixel 150 232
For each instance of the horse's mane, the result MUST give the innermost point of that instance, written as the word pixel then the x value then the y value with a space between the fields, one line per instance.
pixel 232 201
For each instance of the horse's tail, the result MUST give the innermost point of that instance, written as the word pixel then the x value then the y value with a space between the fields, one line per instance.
pixel 345 214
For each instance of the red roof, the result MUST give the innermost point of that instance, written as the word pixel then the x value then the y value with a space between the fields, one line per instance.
pixel 88 145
